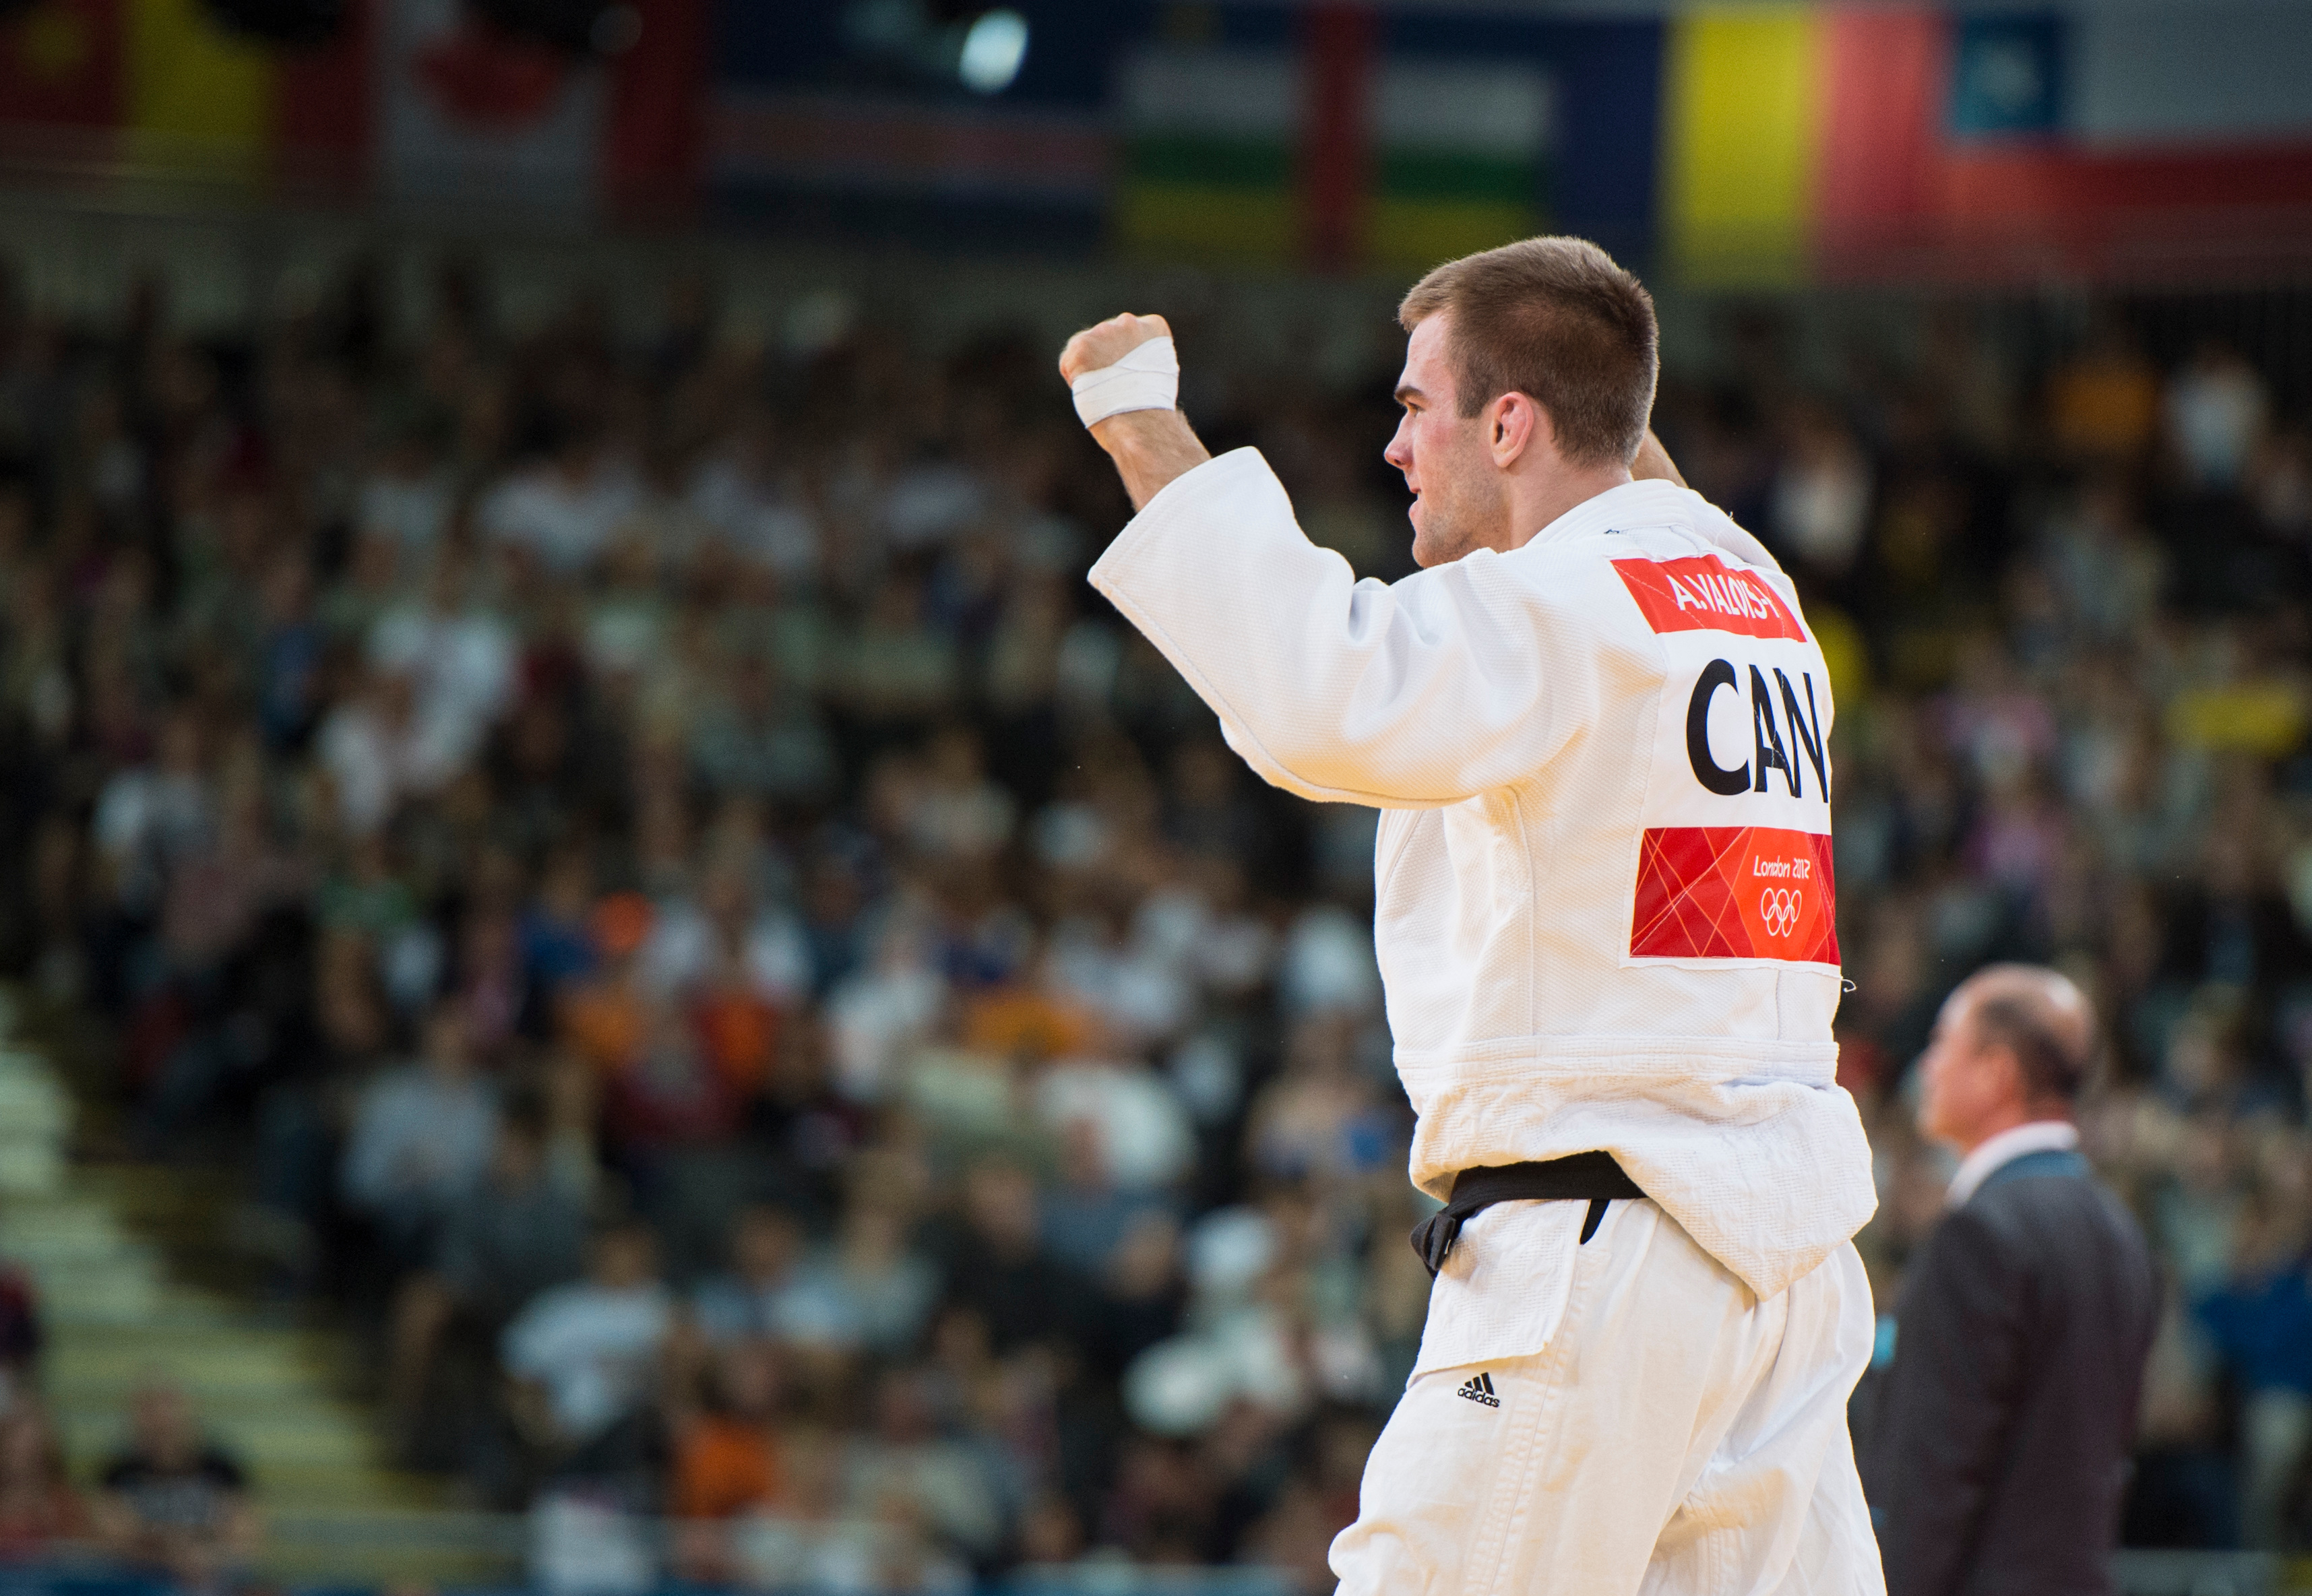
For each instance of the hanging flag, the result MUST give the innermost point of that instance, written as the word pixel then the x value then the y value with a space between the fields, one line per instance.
pixel 1916 144
pixel 1209 137
pixel 199 100
pixel 479 120
pixel 1740 124
pixel 653 143
pixel 1459 159
pixel 1328 150
pixel 482 120
pixel 323 112
pixel 60 64
pixel 108 90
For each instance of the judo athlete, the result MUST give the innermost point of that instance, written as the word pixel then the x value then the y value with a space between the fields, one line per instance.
pixel 1597 727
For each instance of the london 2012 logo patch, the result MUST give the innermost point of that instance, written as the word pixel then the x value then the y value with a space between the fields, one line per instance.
pixel 1735 892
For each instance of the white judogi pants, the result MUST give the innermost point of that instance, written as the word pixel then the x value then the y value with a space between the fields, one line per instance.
pixel 1675 1436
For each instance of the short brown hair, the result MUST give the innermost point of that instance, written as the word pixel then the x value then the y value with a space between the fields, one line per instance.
pixel 1556 319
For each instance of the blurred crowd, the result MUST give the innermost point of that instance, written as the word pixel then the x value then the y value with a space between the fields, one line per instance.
pixel 768 1007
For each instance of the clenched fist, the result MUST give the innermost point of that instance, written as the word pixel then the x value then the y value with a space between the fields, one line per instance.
pixel 1151 446
pixel 1097 347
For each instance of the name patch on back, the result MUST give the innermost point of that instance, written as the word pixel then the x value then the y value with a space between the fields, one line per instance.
pixel 1698 593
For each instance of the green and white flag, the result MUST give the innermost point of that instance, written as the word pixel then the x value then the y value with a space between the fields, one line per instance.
pixel 1217 144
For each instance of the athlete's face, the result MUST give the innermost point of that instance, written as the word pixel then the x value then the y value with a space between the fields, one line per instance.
pixel 1458 499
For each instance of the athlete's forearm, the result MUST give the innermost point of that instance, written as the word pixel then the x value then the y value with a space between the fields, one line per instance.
pixel 1149 449
pixel 1653 463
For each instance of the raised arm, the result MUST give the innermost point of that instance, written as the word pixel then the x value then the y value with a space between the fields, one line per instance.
pixel 1414 694
pixel 1409 695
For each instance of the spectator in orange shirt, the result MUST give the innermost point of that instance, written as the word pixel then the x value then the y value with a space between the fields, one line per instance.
pixel 728 1461
pixel 739 1030
pixel 604 1019
pixel 2103 403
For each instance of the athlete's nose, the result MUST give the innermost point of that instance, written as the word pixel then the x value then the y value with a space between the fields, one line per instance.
pixel 1399 452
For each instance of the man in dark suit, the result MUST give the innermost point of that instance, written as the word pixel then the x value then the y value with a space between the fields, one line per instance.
pixel 1999 1451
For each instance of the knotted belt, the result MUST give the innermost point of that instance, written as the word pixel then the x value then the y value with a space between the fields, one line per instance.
pixel 1593 1176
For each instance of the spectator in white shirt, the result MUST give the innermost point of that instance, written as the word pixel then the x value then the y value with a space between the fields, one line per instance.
pixel 408 496
pixel 150 816
pixel 565 510
pixel 378 751
pixel 747 1302
pixel 461 658
pixel 741 494
pixel 584 1356
pixel 421 1136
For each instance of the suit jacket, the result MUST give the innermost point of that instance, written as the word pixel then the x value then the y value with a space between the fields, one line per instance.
pixel 1999 1449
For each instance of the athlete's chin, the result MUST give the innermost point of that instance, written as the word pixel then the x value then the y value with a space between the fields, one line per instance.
pixel 1432 545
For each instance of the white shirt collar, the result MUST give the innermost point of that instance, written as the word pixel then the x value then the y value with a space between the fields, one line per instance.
pixel 2038 1135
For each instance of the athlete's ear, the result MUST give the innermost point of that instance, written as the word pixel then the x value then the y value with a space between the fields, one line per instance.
pixel 1514 425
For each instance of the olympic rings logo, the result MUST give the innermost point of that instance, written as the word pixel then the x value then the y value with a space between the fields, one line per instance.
pixel 1780 907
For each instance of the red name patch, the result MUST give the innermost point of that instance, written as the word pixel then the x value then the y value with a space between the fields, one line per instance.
pixel 1735 892
pixel 1698 593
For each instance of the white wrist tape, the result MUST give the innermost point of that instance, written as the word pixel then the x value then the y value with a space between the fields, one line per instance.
pixel 1147 379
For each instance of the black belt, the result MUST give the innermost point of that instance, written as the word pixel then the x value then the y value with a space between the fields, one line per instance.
pixel 1593 1176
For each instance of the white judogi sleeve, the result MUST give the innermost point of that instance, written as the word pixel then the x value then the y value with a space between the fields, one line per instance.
pixel 1406 696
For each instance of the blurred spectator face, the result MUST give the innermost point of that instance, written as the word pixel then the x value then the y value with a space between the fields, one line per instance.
pixel 1084 1158
pixel 162 1421
pixel 814 1471
pixel 350 1016
pixel 1964 1085
pixel 959 1341
pixel 447 1050
pixel 725 898
pixel 1457 504
pixel 1049 1532
pixel 28 1452
pixel 621 924
pixel 1821 495
pixel 903 1410
pixel 1146 1262
pixel 288 588
pixel 764 1249
pixel 517 1156
pixel 746 1379
pixel 999 1200
pixel 180 744
pixel 625 1257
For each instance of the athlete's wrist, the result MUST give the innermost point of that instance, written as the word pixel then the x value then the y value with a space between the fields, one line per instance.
pixel 1151 449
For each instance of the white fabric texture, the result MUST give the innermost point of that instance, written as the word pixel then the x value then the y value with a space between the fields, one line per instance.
pixel 1678 1436
pixel 2038 1135
pixel 1148 377
pixel 1521 723
pixel 1503 1285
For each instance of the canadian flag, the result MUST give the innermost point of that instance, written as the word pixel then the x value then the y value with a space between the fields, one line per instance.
pixel 472 117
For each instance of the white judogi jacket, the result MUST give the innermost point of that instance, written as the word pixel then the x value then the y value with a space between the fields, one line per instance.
pixel 1603 890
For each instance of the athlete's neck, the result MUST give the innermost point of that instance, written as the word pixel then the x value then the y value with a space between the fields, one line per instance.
pixel 1536 499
